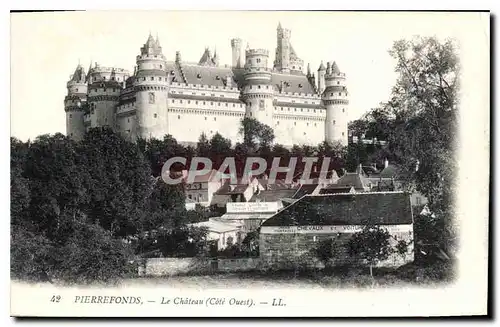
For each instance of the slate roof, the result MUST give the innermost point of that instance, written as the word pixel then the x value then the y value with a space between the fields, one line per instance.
pixel 391 208
pixel 391 171
pixel 304 189
pixel 353 179
pixel 336 189
pixel 292 83
pixel 273 195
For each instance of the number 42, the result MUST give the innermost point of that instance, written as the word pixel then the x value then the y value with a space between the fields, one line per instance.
pixel 55 298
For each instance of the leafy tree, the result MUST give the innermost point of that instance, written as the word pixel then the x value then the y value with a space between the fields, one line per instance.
pixel 256 133
pixel 370 245
pixel 324 252
pixel 203 146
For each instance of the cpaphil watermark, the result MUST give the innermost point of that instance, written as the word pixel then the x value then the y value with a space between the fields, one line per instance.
pixel 254 167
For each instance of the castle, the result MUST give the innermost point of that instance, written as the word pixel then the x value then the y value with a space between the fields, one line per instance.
pixel 186 99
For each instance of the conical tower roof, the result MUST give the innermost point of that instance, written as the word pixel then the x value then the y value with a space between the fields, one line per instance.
pixel 335 68
pixel 321 66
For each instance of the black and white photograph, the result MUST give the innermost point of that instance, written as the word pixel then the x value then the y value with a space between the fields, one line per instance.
pixel 249 163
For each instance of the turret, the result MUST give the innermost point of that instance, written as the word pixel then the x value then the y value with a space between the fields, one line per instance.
pixel 75 103
pixel 335 99
pixel 258 91
pixel 283 48
pixel 151 87
pixel 321 78
pixel 104 88
pixel 238 57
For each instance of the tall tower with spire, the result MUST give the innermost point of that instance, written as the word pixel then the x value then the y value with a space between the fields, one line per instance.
pixel 335 99
pixel 151 86
pixel 75 103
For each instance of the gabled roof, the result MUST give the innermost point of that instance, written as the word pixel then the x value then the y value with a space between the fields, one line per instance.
pixel 391 171
pixel 304 189
pixel 391 208
pixel 273 195
pixel 353 179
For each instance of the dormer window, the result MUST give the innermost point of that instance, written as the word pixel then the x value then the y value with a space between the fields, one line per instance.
pixel 300 85
pixel 173 73
pixel 199 75
pixel 217 77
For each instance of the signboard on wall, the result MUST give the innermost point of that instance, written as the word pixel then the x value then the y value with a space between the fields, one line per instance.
pixel 249 207
pixel 329 229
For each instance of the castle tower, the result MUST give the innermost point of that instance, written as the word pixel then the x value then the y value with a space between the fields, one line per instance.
pixel 104 87
pixel 151 87
pixel 238 58
pixel 283 49
pixel 75 103
pixel 335 99
pixel 321 78
pixel 258 93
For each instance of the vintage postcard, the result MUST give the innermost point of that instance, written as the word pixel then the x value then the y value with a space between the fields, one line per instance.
pixel 249 164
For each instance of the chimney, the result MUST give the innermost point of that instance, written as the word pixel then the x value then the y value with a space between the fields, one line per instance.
pixel 386 163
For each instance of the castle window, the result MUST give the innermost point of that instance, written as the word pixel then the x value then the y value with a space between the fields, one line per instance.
pixel 205 118
pixel 218 103
pixel 342 133
pixel 180 101
pixel 178 116
pixel 114 90
pixel 301 110
pixel 295 123
pixel 71 134
pixel 267 86
pixel 128 120
pixel 159 78
pixel 112 78
pixel 76 90
pixel 340 93
pixel 155 115
pixel 151 97
pixel 314 110
pixel 70 115
pixel 338 82
pixel 152 78
pixel 277 123
pixel 161 66
pixel 343 109
pixel 258 86
pixel 203 102
pixel 307 124
pixel 331 93
pixel 281 108
pixel 300 85
pixel 104 78
pixel 226 104
pixel 250 87
pixel 215 118
pixel 314 124
pixel 334 122
pixel 258 60
pixel 173 101
pixel 211 103
pixel 199 75
pixel 189 101
pixel 234 105
pixel 293 67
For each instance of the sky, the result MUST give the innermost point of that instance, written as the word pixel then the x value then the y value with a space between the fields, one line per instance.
pixel 47 47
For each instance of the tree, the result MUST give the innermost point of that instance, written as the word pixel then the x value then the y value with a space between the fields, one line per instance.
pixel 424 129
pixel 370 245
pixel 324 252
pixel 203 146
pixel 256 133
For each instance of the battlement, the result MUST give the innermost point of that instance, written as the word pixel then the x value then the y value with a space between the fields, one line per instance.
pixel 257 52
pixel 150 57
pixel 236 42
pixel 334 75
pixel 100 69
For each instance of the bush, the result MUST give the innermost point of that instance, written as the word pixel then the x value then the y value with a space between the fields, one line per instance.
pixel 92 254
